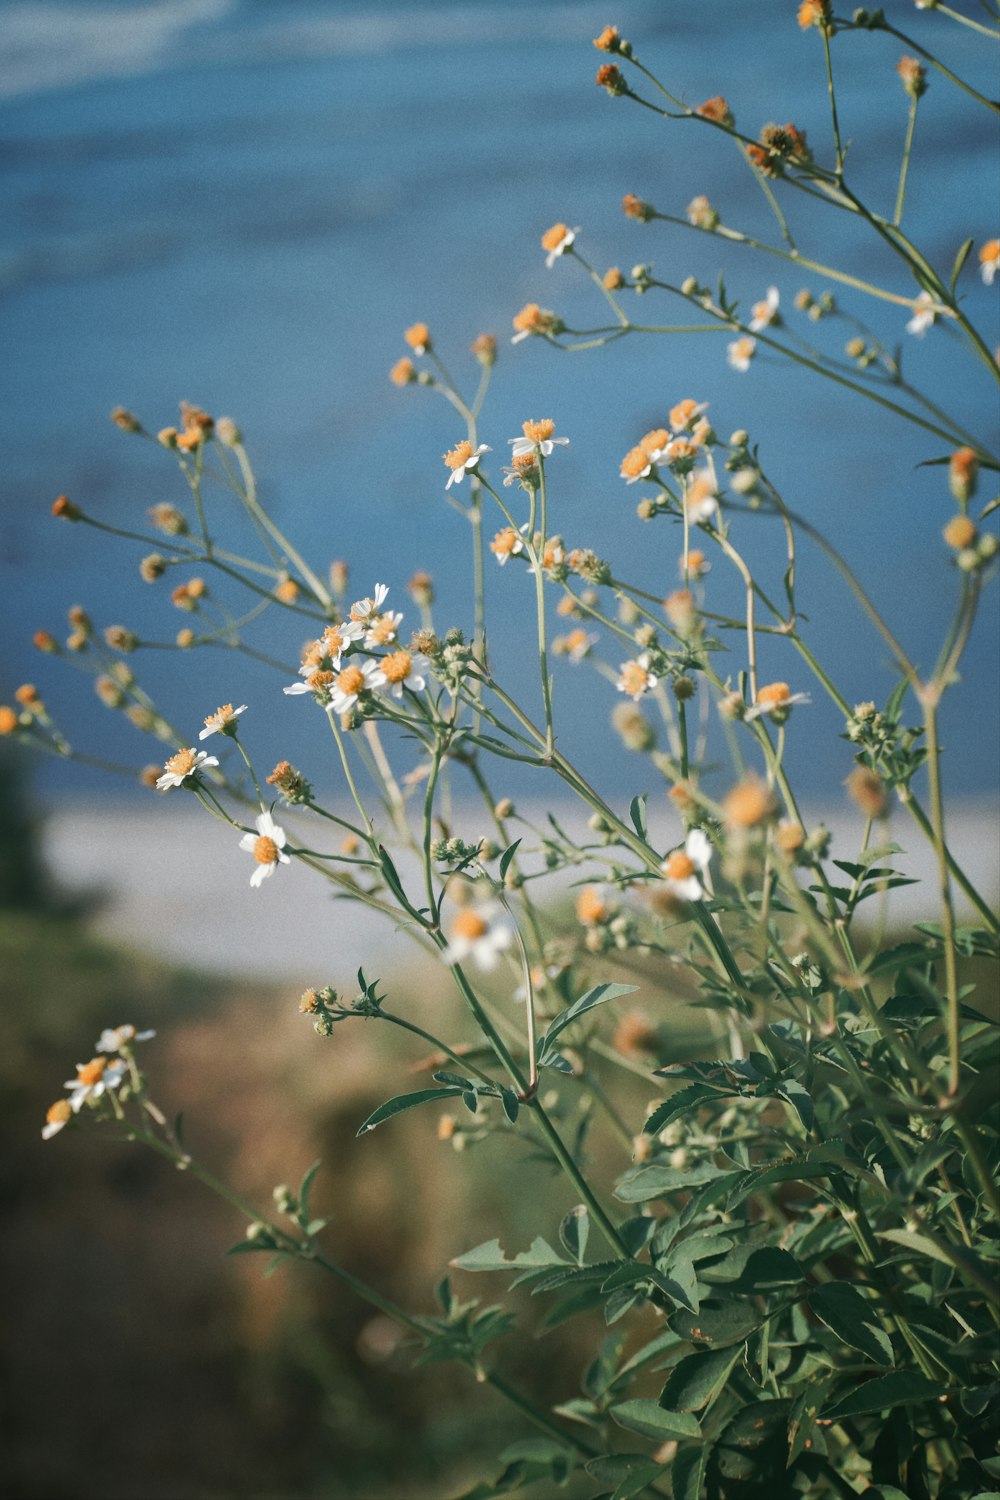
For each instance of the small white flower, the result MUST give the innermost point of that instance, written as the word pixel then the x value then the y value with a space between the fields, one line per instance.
pixel 765 314
pixel 740 352
pixel 989 260
pixel 324 656
pixel 350 683
pixel 464 459
pixel 383 630
pixel 775 699
pixel 681 869
pixel 267 847
pixel 182 765
pixel 925 315
pixel 557 241
pixel 537 438
pixel 399 670
pixel 701 501
pixel 636 678
pixel 114 1038
pixel 92 1080
pixel 221 720
pixel 364 610
pixel 475 935
pixel 56 1117
pixel 508 543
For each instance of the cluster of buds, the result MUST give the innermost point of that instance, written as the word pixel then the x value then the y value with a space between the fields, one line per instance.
pixel 588 566
pixel 815 308
pixel 326 1007
pixel 458 852
pixel 452 660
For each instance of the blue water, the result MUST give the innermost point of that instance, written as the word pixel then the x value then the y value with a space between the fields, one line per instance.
pixel 245 203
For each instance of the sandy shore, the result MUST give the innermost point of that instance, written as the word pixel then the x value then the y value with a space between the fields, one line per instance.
pixel 175 883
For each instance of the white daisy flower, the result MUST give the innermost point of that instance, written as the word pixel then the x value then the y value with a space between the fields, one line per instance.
pixel 740 352
pixel 557 241
pixel 223 721
pixel 364 610
pixel 508 543
pixel 775 699
pixel 701 500
pixel 925 315
pixel 92 1080
pixel 399 670
pixel 267 847
pixel 537 439
pixel 475 935
pixel 182 765
pixel 322 657
pixel 765 314
pixel 114 1038
pixel 463 459
pixel 56 1116
pixel 383 630
pixel 682 868
pixel 635 677
pixel 989 260
pixel 353 680
pixel 579 643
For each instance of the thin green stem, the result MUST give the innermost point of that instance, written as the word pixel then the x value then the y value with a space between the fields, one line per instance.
pixel 911 125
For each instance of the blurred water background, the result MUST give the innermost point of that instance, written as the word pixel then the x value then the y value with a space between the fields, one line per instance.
pixel 245 203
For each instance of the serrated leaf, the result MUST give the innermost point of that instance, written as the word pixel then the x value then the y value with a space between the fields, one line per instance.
pixel 637 812
pixel 650 1420
pixel 681 1103
pixel 698 1379
pixel 403 1102
pixel 852 1319
pixel 507 856
pixel 799 1099
pixel 901 1388
pixel 599 995
pixel 490 1257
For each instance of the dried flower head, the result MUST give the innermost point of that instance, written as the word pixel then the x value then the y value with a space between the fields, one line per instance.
pixel 717 110
pixel 963 474
pixel 914 75
pixel 867 790
pixel 634 208
pixel 609 77
pixel 484 349
pixel 64 509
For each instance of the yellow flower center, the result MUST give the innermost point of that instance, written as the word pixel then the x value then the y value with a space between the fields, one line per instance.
pixel 418 337
pixel 59 1113
pixel 397 666
pixel 577 640
pixel 635 463
pixel 524 463
pixel 540 431
pixel 679 866
pixel 469 924
pixel 591 907
pixel 553 238
pixel 989 252
pixel 265 851
pixel 181 764
pixel 504 542
pixel 319 680
pixel 655 440
pixel 382 630
pixel 773 694
pixel 92 1072
pixel 532 319
pixel 747 804
pixel 350 680
pixel 634 678
pixel 682 413
pixel 459 455
pixel 223 715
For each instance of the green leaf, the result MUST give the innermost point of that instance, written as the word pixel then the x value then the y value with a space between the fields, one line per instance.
pixel 799 1099
pixel 685 1101
pixel 918 1243
pixel 599 995
pixel 405 1101
pixel 574 1230
pixel 717 1324
pixel 687 1473
pixel 960 259
pixel 511 1105
pixel 490 1257
pixel 306 1188
pixel 754 1268
pixel 806 1409
pixel 630 1473
pixel 650 1420
pixel 901 1388
pixel 642 1183
pixel 507 856
pixel 698 1379
pixel 637 812
pixel 853 1319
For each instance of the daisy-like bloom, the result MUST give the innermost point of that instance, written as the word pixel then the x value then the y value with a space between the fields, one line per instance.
pixel 775 699
pixel 463 459
pixel 591 907
pixel 364 610
pixel 537 439
pixel 223 721
pixel 681 870
pixel 399 670
pixel 383 629
pixel 182 765
pixel 576 645
pixel 267 846
pixel 748 803
pixel 418 337
pixel 56 1116
pixel 508 543
pixel 814 13
pixel 989 260
pixel 474 934
pixel 556 241
pixel 740 352
pixel 92 1080
pixel 523 470
pixel 117 1038
pixel 701 500
pixel 701 214
pixel 765 314
pixel 685 413
pixel 403 372
pixel 697 564
pixel 635 678
pixel 637 464
pixel 533 319
pixel 349 683
pixel 925 314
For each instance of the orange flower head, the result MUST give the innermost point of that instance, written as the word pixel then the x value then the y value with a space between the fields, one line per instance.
pixel 418 337
pixel 717 110
pixel 789 837
pixel 553 238
pixel 774 694
pixel 484 349
pixel 914 75
pixel 748 804
pixel 679 866
pixel 397 666
pixel 654 441
pixel 635 208
pixel 59 1113
pixel 634 464
pixel 963 474
pixel 459 455
pixel 681 610
pixel 867 790
pixel 8 719
pixel 814 13
pixel 534 319
pixel 609 77
pixel 469 924
pixel 350 680
pixel 684 413
pixel 403 372
pixel 960 532
pixel 64 509
pixel 613 280
pixel 591 907
pixel 609 40
pixel 540 431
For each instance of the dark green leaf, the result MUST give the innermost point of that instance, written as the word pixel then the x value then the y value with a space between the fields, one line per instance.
pixel 684 1102
pixel 507 856
pixel 599 995
pixel 630 1473
pixel 573 1232
pixel 305 1189
pixel 754 1268
pixel 717 1324
pixel 637 812
pixel 901 1388
pixel 698 1379
pixel 510 1103
pixel 853 1319
pixel 405 1101
pixel 959 262
pixel 687 1472
pixel 650 1420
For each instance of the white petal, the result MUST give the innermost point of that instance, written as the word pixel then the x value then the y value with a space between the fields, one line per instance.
pixel 248 842
pixel 698 848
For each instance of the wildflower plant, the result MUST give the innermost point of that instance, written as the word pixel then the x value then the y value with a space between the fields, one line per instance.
pixel 790 1273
